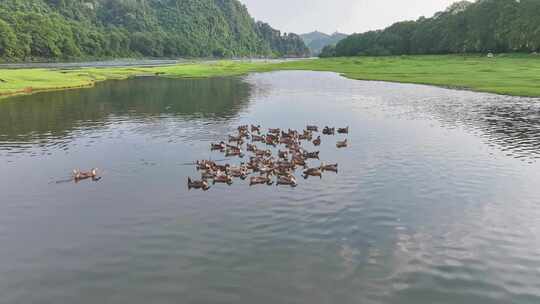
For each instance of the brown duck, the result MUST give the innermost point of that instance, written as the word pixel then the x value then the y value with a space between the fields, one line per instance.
pixel 331 167
pixel 223 179
pixel 329 131
pixel 287 181
pixel 343 130
pixel 256 129
pixel 312 172
pixel 202 184
pixel 342 144
pixel 317 141
pixel 80 175
pixel 260 180
pixel 312 128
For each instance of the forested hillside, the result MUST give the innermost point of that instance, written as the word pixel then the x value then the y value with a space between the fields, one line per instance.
pixel 316 41
pixel 465 27
pixel 71 29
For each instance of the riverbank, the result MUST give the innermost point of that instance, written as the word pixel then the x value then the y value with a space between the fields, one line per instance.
pixel 507 75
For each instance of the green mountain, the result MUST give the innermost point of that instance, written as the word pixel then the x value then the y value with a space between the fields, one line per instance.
pixel 71 29
pixel 316 41
pixel 465 27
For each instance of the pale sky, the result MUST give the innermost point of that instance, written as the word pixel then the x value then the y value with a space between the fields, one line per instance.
pixel 348 16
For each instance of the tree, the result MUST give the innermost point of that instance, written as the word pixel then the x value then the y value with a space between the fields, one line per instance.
pixel 8 40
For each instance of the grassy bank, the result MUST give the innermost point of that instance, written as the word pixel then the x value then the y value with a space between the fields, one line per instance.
pixel 509 75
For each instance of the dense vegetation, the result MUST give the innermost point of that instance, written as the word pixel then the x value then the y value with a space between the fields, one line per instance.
pixel 70 29
pixel 499 26
pixel 316 41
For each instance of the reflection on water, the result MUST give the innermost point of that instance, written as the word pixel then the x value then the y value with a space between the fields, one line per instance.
pixel 57 117
pixel 433 203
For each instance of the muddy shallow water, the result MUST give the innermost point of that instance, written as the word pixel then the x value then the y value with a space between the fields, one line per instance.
pixel 436 201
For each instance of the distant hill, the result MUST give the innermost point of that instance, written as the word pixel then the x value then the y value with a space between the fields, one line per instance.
pixel 73 29
pixel 316 41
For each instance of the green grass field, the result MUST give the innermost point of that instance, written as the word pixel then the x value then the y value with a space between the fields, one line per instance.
pixel 517 75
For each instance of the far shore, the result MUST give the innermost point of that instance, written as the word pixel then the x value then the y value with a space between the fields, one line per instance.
pixel 504 74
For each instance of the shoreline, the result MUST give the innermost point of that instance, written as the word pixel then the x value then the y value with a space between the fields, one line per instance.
pixel 512 76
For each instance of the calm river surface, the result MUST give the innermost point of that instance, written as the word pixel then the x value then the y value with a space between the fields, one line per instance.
pixel 437 199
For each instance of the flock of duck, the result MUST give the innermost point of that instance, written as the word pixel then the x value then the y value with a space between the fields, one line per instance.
pixel 263 166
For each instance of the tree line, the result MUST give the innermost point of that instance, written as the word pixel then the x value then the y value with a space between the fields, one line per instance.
pixel 483 26
pixel 74 29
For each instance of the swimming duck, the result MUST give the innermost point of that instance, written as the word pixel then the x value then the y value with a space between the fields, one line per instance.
pixel 257 138
pixel 287 180
pixel 317 141
pixel 202 184
pixel 331 167
pixel 205 164
pixel 284 171
pixel 312 128
pixel 237 139
pixel 312 172
pixel 78 175
pixel 306 136
pixel 299 161
pixel 256 128
pixel 259 180
pixel 283 154
pixel 274 131
pixel 240 171
pixel 329 131
pixel 263 153
pixel 286 140
pixel 220 146
pixel 285 165
pixel 208 174
pixel 243 133
pixel 251 148
pixel 266 169
pixel 313 155
pixel 223 178
pixel 243 128
pixel 234 152
pixel 343 130
pixel 342 144
pixel 220 168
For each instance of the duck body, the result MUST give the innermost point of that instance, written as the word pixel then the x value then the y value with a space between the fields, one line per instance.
pixel 234 152
pixel 222 178
pixel 313 155
pixel 256 128
pixel 202 184
pixel 283 154
pixel 312 172
pixel 329 131
pixel 220 146
pixel 343 130
pixel 342 144
pixel 258 138
pixel 330 167
pixel 317 141
pixel 287 181
pixel 81 175
pixel 260 180
pixel 240 172
pixel 236 139
pixel 312 128
pixel 274 131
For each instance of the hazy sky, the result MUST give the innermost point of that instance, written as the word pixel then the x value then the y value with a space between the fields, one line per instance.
pixel 348 16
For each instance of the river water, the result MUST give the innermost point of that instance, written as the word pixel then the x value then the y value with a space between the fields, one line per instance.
pixel 437 199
